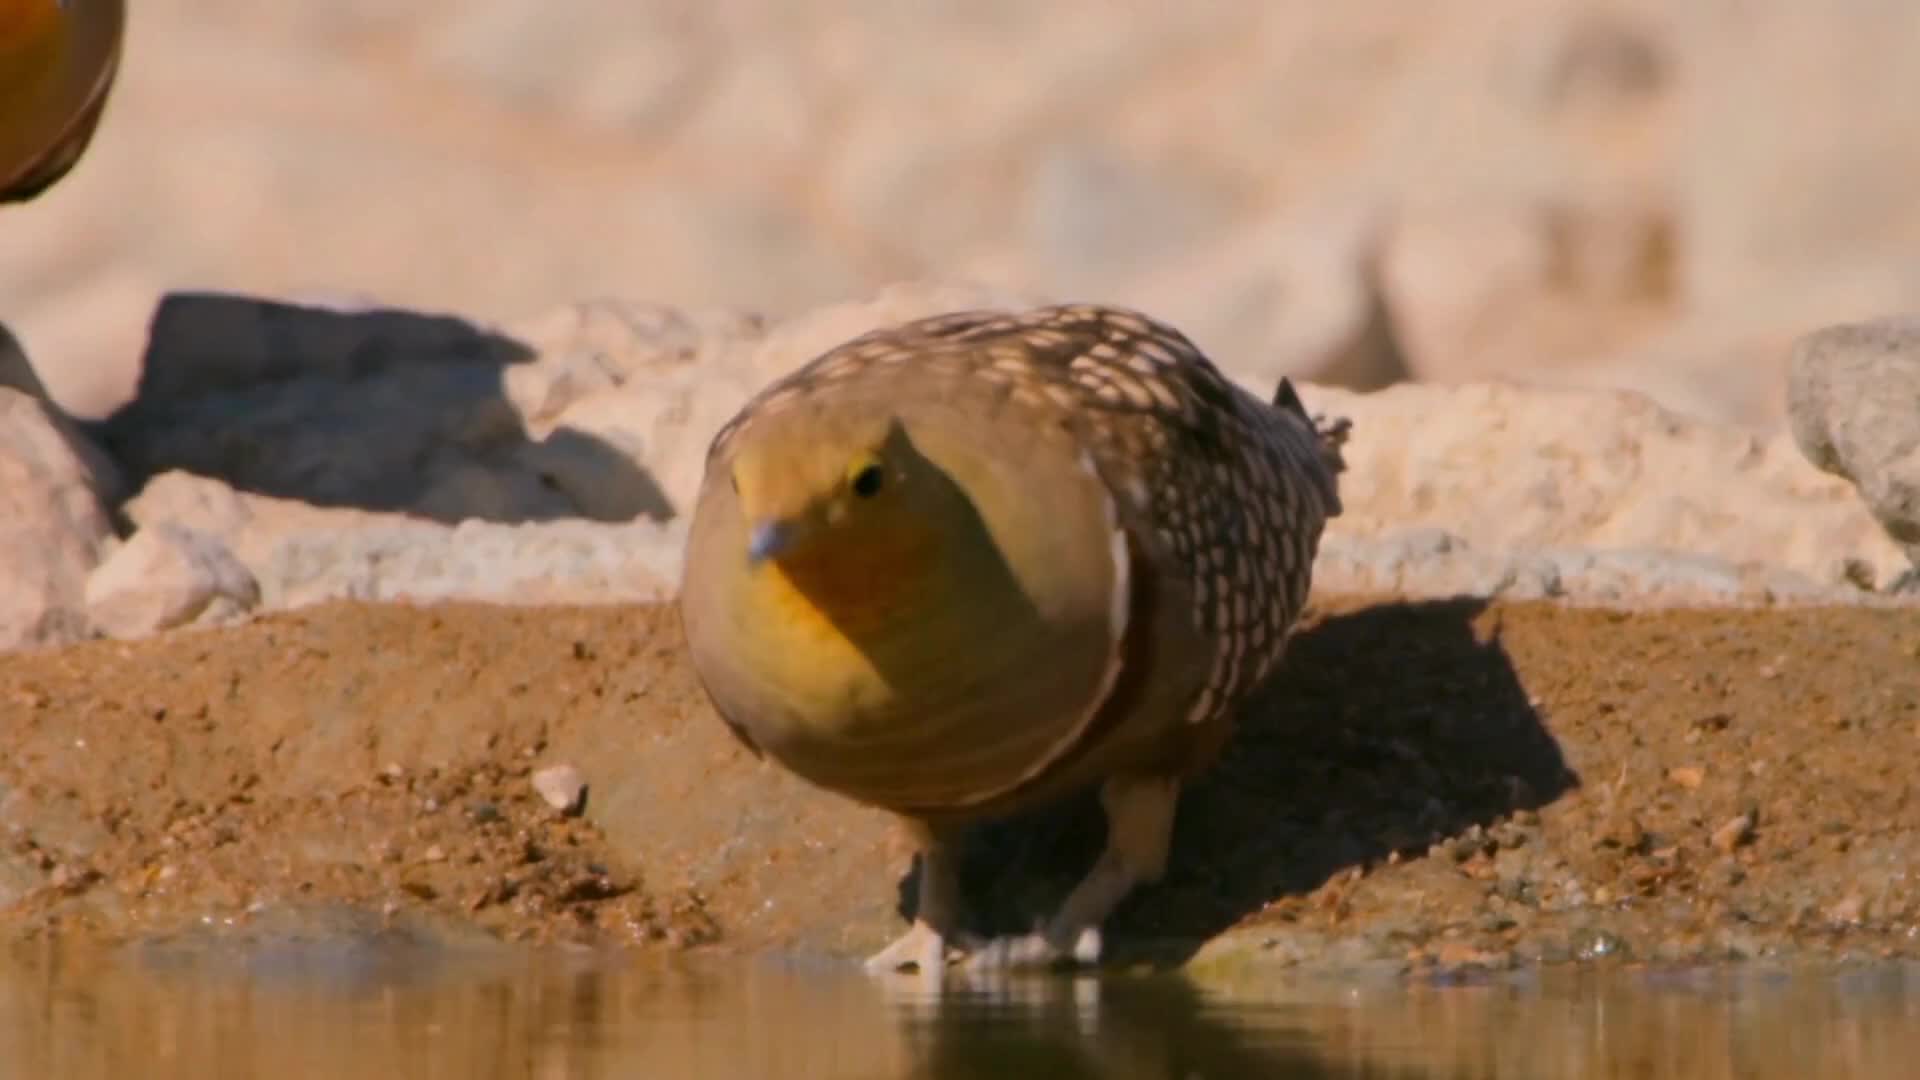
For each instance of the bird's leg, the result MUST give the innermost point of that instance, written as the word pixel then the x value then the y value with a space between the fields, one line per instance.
pixel 936 918
pixel 1139 829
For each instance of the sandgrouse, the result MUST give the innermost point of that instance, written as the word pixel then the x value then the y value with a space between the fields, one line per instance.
pixel 959 566
pixel 57 63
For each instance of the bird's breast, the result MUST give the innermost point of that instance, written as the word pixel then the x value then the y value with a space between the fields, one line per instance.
pixel 809 645
pixel 827 590
pixel 907 676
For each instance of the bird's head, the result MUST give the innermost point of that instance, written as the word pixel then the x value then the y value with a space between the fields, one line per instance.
pixel 860 510
pixel 835 482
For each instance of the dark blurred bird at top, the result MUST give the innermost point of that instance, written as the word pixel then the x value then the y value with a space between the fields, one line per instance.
pixel 57 63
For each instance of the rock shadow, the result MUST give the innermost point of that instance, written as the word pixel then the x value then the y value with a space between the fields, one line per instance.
pixel 17 374
pixel 379 409
pixel 1387 729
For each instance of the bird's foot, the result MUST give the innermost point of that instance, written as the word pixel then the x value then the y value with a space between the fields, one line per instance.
pixel 1036 951
pixel 921 947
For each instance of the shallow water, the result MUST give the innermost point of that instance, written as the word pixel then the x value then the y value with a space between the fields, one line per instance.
pixel 330 1009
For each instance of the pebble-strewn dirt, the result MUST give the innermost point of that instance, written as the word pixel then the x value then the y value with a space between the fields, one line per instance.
pixel 1442 786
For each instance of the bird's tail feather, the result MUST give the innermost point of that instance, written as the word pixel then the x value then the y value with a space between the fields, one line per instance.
pixel 1331 432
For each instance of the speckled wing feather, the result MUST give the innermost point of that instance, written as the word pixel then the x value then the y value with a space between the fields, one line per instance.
pixel 1230 492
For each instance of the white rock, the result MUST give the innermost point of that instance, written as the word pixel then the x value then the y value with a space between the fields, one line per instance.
pixel 1431 562
pixel 185 498
pixel 628 337
pixel 562 787
pixel 588 469
pixel 1501 467
pixel 53 527
pixel 164 576
pixel 1512 468
pixel 540 391
pixel 1854 403
pixel 251 526
pixel 661 423
pixel 633 445
pixel 570 561
pixel 302 554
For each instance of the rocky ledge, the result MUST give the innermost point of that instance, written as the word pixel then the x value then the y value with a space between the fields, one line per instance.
pixel 276 455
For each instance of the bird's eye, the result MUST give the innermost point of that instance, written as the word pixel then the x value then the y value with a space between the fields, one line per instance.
pixel 867 480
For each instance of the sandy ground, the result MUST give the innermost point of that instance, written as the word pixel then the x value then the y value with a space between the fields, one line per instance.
pixel 1438 788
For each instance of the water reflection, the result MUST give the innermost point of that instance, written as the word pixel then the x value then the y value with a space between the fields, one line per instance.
pixel 387 1008
pixel 1089 1027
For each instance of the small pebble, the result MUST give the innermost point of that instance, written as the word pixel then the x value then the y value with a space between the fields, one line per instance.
pixel 1470 843
pixel 562 786
pixel 1737 831
pixel 1687 776
pixel 1626 832
pixel 1598 945
pixel 1847 911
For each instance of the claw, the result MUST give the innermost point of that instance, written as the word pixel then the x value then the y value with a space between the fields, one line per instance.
pixel 1139 823
pixel 1029 952
pixel 921 947
pixel 1015 952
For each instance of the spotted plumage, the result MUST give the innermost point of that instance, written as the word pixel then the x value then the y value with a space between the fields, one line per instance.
pixel 1230 490
pixel 1092 547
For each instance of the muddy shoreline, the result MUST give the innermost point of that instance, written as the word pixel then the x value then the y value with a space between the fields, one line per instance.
pixel 1430 788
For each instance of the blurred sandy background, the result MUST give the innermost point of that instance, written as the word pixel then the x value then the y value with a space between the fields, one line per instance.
pixel 1656 195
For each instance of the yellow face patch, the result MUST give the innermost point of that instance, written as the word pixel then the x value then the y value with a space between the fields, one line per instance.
pixel 858 581
pixel 812 632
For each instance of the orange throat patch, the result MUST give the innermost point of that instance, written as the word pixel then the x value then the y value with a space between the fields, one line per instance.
pixel 855 589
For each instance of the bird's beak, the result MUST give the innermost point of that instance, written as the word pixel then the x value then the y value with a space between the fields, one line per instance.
pixel 769 538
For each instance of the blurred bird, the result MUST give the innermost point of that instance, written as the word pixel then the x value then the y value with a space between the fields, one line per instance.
pixel 58 59
pixel 964 565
